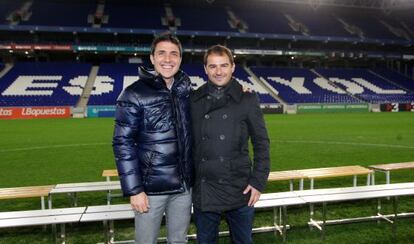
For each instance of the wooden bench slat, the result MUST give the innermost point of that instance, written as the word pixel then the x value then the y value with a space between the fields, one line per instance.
pixel 335 171
pixel 285 175
pixel 393 166
pixel 25 192
pixel 110 173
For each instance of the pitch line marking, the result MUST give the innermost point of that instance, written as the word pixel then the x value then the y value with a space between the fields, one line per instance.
pixel 51 146
pixel 286 141
pixel 347 143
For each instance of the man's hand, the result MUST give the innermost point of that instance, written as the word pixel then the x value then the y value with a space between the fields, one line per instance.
pixel 254 195
pixel 140 202
pixel 247 89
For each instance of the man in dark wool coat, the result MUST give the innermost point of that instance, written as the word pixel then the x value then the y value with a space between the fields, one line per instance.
pixel 227 181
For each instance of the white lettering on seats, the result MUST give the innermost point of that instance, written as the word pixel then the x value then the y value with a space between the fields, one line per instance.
pixel 296 84
pixel 351 87
pixel 375 88
pixel 324 84
pixel 197 81
pixel 29 85
pixel 103 84
pixel 128 80
pixel 76 85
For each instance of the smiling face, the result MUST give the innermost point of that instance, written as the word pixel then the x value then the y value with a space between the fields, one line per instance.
pixel 166 60
pixel 219 69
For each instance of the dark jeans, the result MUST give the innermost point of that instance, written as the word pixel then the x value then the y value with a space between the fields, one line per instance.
pixel 240 223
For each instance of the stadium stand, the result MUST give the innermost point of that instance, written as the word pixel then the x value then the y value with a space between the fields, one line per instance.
pixel 368 22
pixel 8 11
pixel 57 13
pixel 297 85
pixel 135 15
pixel 43 84
pixel 367 85
pixel 199 18
pixel 308 20
pixel 287 19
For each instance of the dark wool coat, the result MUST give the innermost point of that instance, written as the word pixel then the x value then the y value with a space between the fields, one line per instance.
pixel 221 130
pixel 152 136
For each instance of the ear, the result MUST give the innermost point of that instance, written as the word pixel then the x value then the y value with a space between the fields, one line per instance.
pixel 152 59
pixel 205 70
pixel 233 68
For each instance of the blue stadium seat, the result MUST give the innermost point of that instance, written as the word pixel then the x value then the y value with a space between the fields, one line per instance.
pixel 60 13
pixel 396 77
pixel 112 78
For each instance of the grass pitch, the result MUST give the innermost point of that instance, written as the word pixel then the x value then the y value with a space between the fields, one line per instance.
pixel 39 152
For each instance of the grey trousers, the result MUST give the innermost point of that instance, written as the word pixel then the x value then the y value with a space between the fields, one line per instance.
pixel 177 209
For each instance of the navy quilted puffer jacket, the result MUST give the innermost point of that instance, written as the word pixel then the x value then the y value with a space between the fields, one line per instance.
pixel 152 136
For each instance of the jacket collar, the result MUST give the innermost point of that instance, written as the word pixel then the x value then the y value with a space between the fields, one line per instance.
pixel 151 78
pixel 235 91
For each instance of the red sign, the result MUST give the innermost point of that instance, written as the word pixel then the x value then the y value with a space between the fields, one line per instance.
pixel 34 112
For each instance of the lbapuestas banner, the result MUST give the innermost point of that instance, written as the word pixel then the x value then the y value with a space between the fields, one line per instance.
pixel 34 112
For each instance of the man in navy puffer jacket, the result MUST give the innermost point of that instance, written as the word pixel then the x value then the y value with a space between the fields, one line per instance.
pixel 151 144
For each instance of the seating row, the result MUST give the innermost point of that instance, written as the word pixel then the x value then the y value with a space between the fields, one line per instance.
pixel 290 19
pixel 62 84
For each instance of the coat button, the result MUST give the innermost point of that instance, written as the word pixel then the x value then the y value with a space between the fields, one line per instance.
pixel 203 159
pixel 208 97
pixel 222 137
pixel 221 181
pixel 203 179
pixel 204 138
pixel 221 159
pixel 224 116
pixel 207 116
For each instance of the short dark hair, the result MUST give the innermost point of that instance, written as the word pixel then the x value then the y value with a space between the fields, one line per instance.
pixel 168 38
pixel 218 50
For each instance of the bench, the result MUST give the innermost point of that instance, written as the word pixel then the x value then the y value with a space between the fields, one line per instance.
pixel 331 172
pixel 108 173
pixel 387 168
pixel 325 196
pixel 43 217
pixel 282 200
pixel 320 173
pixel 289 175
pixel 73 188
pixel 109 213
pixel 27 192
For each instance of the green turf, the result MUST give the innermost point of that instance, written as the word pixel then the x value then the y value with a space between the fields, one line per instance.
pixel 37 152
